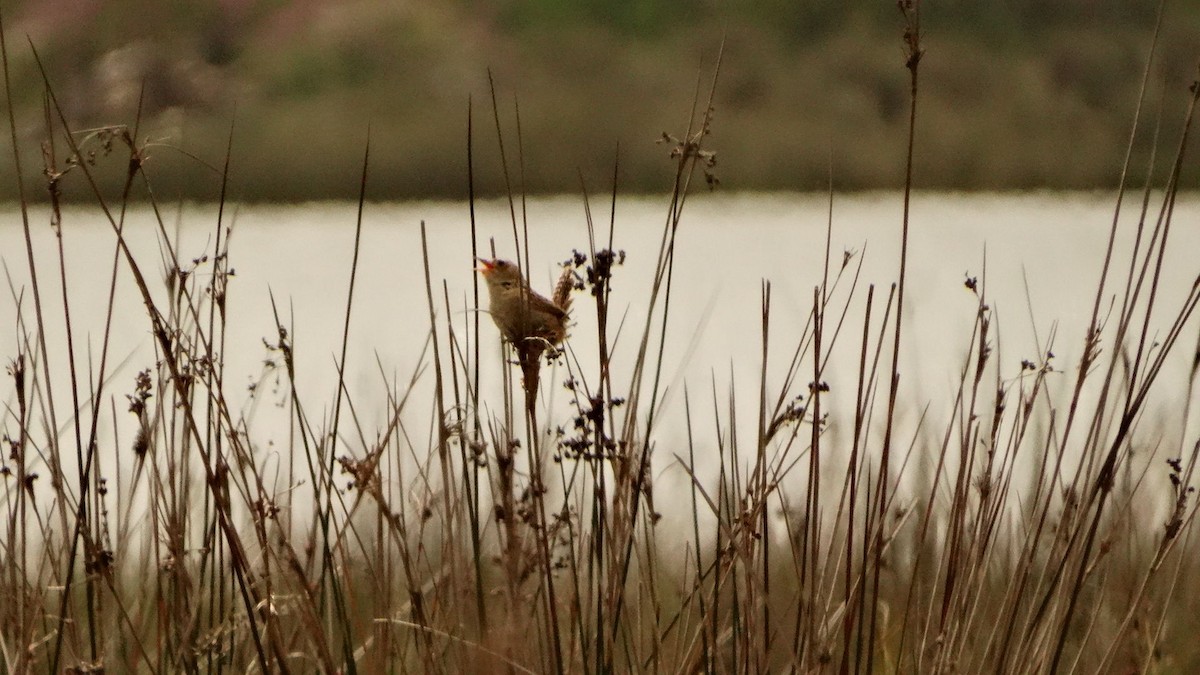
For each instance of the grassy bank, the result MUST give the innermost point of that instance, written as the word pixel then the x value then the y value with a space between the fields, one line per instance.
pixel 1017 94
pixel 1023 536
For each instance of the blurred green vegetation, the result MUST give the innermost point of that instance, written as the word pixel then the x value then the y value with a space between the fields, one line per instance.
pixel 1015 94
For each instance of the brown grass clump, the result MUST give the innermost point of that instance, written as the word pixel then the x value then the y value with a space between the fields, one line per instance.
pixel 501 543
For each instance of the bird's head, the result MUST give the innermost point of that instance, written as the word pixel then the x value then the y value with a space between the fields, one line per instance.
pixel 499 274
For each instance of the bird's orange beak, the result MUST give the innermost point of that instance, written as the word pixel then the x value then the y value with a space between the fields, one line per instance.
pixel 485 266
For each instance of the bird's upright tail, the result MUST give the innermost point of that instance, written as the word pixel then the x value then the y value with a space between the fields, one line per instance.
pixel 562 290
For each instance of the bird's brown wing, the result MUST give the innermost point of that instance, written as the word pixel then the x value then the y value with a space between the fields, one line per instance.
pixel 537 303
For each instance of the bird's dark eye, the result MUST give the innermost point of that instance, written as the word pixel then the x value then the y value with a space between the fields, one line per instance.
pixel 507 284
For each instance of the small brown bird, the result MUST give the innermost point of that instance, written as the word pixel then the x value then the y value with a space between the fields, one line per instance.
pixel 528 321
pixel 521 314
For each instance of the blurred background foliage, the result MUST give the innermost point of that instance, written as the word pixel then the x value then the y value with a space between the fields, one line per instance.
pixel 1016 94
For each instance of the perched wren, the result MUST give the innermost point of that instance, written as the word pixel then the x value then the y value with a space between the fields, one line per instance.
pixel 520 313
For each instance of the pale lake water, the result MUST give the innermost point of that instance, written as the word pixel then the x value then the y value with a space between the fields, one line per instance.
pixel 1041 254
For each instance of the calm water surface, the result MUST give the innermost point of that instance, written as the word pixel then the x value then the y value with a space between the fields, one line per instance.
pixel 1037 255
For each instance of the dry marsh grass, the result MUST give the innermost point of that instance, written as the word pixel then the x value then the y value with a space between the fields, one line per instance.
pixel 493 540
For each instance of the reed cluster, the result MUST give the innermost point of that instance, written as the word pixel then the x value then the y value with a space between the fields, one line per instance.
pixel 1023 536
